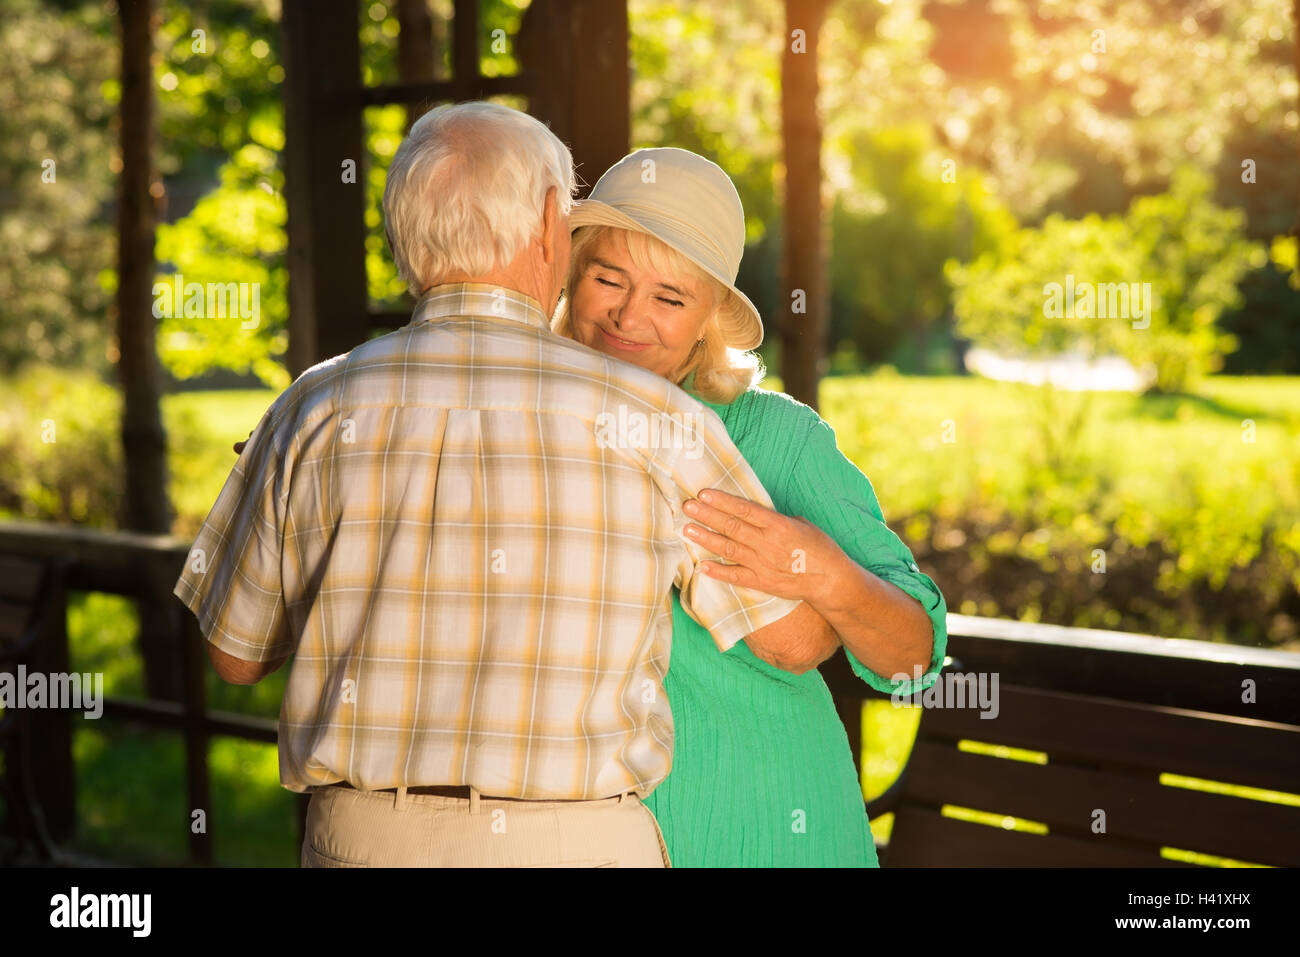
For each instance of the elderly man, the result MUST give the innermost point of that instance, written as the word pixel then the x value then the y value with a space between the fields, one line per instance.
pixel 474 585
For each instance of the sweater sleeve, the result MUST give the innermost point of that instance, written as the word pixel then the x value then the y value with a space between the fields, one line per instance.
pixel 831 492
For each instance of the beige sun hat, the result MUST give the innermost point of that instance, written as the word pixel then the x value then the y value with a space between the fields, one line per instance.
pixel 689 203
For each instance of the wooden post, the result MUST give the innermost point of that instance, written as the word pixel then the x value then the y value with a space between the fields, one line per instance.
pixel 601 108
pixel 804 308
pixel 418 56
pixel 144 443
pixel 49 748
pixel 574 53
pixel 1295 28
pixel 143 440
pixel 545 57
pixel 464 49
pixel 198 787
pixel 325 169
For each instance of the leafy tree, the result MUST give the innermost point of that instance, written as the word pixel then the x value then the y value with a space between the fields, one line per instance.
pixel 219 78
pixel 235 234
pixel 218 72
pixel 1149 285
pixel 1075 108
pixel 1013 91
pixel 1195 253
pixel 905 215
pixel 706 77
pixel 56 176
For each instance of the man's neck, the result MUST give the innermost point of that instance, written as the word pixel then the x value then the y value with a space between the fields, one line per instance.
pixel 513 280
pixel 490 283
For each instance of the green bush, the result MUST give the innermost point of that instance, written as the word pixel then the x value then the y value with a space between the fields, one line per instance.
pixel 61 453
pixel 1177 252
pixel 60 456
pixel 235 234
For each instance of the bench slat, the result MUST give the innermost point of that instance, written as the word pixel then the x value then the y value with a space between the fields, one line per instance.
pixel 1165 672
pixel 1138 808
pixel 925 838
pixel 1112 733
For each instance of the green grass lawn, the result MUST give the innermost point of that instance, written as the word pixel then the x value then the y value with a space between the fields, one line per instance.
pixel 938 444
pixel 1206 473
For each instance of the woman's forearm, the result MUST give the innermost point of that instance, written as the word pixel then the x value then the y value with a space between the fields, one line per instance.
pixel 797 643
pixel 886 629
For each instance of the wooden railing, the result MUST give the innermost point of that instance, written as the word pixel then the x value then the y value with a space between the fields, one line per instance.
pixel 144 568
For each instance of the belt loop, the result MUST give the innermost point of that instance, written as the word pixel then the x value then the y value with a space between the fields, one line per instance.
pixel 399 803
pixel 473 801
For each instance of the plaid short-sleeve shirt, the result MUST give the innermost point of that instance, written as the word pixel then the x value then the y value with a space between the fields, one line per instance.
pixel 467 532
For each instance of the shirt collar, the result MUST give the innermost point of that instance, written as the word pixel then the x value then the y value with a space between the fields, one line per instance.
pixel 480 300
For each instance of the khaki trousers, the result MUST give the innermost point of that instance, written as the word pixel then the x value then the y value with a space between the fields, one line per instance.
pixel 347 828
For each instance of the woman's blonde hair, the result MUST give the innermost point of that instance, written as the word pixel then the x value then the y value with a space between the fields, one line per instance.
pixel 721 373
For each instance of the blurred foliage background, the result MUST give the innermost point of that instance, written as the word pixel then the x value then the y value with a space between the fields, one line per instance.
pixel 951 129
pixel 974 151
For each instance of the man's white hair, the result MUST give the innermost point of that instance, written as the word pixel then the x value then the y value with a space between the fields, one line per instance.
pixel 467 188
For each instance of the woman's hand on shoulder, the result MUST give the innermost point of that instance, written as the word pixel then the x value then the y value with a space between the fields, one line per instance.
pixel 769 552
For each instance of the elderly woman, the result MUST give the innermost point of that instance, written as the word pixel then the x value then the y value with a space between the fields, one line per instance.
pixel 762 772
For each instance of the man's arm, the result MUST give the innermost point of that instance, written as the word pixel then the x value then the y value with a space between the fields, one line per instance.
pixel 231 580
pixel 237 671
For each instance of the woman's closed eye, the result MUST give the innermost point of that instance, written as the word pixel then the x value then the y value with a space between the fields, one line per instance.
pixel 611 284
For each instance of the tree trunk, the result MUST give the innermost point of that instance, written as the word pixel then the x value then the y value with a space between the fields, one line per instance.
pixel 804 310
pixel 144 444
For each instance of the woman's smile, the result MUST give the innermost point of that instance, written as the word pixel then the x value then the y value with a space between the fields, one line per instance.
pixel 626 345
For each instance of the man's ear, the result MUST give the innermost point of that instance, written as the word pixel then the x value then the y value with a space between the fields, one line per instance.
pixel 550 213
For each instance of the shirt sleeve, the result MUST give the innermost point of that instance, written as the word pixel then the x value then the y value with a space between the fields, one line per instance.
pixel 231 580
pixel 832 493
pixel 728 612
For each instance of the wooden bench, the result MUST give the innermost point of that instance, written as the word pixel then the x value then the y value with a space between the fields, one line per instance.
pixel 1109 715
pixel 37 780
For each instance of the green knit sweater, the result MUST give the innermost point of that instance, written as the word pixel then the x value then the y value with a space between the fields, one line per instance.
pixel 762 773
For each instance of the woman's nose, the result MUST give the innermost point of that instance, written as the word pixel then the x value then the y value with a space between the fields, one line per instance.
pixel 629 310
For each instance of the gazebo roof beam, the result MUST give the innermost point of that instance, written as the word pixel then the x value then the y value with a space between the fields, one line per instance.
pixel 466 88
